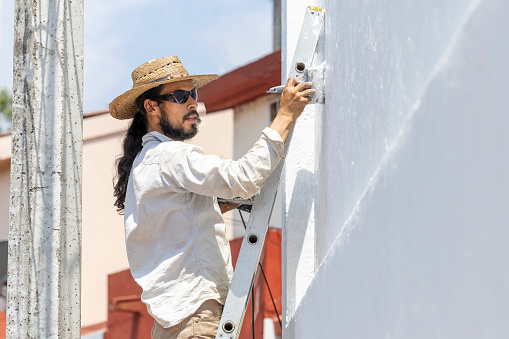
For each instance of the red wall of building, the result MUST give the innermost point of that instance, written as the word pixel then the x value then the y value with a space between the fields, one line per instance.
pixel 128 316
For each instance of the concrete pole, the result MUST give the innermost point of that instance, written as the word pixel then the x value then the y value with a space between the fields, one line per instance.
pixel 44 273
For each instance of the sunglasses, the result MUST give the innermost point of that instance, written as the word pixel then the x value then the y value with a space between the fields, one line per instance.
pixel 180 97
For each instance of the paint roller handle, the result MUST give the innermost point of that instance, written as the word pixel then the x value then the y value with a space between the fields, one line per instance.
pixel 276 90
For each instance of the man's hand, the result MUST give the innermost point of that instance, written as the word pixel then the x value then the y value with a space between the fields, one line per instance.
pixel 295 97
pixel 293 100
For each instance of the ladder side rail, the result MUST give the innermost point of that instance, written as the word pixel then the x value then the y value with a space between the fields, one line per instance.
pixel 254 238
pixel 248 259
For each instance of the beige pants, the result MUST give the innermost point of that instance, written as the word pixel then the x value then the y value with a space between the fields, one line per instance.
pixel 202 324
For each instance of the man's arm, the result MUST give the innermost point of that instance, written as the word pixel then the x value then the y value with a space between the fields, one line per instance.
pixel 185 168
pixel 293 100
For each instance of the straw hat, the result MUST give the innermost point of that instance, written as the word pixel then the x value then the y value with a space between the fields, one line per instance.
pixel 152 74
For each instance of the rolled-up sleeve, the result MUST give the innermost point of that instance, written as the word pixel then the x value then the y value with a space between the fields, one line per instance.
pixel 185 168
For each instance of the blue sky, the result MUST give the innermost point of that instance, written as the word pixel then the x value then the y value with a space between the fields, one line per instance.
pixel 209 36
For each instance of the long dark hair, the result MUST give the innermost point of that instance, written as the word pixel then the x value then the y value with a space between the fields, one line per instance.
pixel 131 146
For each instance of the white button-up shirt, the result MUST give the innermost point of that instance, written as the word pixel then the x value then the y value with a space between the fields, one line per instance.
pixel 175 233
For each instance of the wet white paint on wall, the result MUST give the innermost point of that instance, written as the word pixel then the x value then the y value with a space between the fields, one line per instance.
pixel 411 205
pixel 300 178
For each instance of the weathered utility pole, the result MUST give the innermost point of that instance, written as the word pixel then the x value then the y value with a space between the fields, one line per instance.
pixel 44 273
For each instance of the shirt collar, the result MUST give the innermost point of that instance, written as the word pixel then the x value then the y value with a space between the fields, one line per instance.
pixel 154 136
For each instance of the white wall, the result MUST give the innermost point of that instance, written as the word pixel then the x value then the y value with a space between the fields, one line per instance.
pixel 301 176
pixel 411 225
pixel 215 134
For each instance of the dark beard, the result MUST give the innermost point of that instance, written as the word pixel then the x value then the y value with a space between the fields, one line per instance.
pixel 178 133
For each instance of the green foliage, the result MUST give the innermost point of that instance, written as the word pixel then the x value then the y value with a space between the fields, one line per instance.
pixel 6 103
pixel 5 110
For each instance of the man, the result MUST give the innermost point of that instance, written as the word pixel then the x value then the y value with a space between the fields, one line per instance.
pixel 175 234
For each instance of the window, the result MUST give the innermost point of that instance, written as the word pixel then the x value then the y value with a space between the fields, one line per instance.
pixel 274 109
